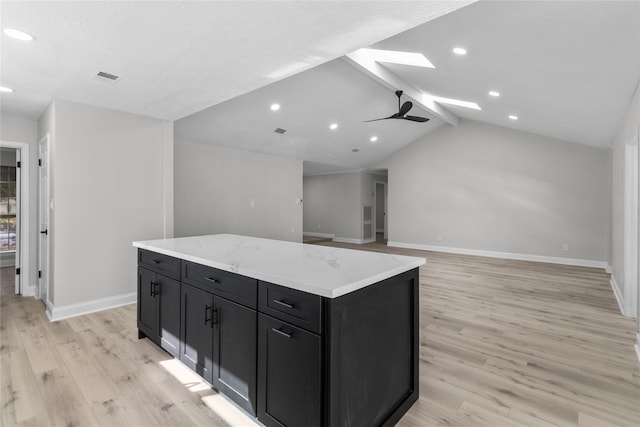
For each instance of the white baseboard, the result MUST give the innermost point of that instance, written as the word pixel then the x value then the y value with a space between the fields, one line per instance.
pixel 504 255
pixel 354 241
pixel 608 268
pixel 618 294
pixel 312 234
pixel 64 312
pixel 338 239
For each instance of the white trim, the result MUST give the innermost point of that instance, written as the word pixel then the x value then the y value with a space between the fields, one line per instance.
pixel 64 312
pixel 618 294
pixel 608 269
pixel 630 248
pixel 354 241
pixel 505 255
pixel 346 171
pixel 312 234
pixel 24 221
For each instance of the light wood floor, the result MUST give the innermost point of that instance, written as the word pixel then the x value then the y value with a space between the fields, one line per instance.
pixel 503 343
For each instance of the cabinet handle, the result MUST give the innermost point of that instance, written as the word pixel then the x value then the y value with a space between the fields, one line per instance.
pixel 211 279
pixel 152 288
pixel 284 334
pixel 215 317
pixel 282 303
pixel 155 261
pixel 155 288
pixel 207 315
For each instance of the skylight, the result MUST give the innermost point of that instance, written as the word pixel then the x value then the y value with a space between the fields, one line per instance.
pixel 397 57
pixel 457 102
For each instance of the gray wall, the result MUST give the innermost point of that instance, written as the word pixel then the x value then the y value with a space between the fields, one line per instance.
pixel 15 129
pixel 215 187
pixel 332 204
pixel 109 174
pixel 484 187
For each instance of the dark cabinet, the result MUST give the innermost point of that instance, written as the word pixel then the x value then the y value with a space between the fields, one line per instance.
pixel 289 374
pixel 234 352
pixel 197 331
pixel 159 309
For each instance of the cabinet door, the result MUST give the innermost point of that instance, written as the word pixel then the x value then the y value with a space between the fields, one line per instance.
pixel 147 303
pixel 169 314
pixel 234 352
pixel 289 374
pixel 197 331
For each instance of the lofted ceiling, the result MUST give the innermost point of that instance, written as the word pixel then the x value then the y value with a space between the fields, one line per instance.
pixel 567 69
pixel 176 58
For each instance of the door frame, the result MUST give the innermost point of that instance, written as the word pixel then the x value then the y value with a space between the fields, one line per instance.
pixel 631 219
pixel 47 214
pixel 22 239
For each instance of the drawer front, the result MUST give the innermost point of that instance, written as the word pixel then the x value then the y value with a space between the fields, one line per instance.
pixel 296 307
pixel 163 264
pixel 231 286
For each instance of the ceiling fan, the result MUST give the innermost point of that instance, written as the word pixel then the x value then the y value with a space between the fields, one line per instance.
pixel 402 112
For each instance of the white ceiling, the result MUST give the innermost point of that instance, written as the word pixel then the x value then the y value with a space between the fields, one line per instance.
pixel 176 58
pixel 568 69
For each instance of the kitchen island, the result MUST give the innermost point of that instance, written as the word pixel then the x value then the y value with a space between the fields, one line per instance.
pixel 295 334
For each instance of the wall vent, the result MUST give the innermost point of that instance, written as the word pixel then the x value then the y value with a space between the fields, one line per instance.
pixel 280 130
pixel 105 77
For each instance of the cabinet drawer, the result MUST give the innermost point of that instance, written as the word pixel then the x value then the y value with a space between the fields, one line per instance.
pixel 233 287
pixel 163 264
pixel 296 307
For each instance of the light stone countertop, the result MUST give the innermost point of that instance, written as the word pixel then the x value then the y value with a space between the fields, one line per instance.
pixel 320 270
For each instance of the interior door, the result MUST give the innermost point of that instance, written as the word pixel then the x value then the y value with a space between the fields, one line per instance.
pixel 43 217
pixel 18 230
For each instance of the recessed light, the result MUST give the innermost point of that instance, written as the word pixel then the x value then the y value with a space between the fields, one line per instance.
pixel 6 89
pixel 355 150
pixel 494 93
pixel 333 126
pixel 396 57
pixel 373 139
pixel 512 117
pixel 275 107
pixel 19 35
pixel 459 51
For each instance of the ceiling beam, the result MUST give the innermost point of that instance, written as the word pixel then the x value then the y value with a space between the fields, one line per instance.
pixel 369 66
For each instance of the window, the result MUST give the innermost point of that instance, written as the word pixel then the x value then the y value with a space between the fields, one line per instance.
pixel 8 208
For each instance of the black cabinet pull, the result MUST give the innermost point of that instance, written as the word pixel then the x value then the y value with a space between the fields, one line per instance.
pixel 155 261
pixel 282 303
pixel 215 317
pixel 155 288
pixel 152 288
pixel 211 279
pixel 207 314
pixel 284 334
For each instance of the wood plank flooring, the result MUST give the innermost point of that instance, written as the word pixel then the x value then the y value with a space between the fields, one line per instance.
pixel 503 343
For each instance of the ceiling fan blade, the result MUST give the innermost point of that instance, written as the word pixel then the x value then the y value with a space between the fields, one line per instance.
pixel 416 119
pixel 393 116
pixel 405 108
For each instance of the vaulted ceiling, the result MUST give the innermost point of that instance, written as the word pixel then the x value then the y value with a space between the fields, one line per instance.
pixel 567 69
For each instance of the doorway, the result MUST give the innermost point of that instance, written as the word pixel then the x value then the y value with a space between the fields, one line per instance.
pixel 14 214
pixel 631 227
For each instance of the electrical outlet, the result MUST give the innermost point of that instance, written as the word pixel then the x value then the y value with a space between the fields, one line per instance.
pixel 565 247
pixel 439 237
pixel 252 203
pixel 293 230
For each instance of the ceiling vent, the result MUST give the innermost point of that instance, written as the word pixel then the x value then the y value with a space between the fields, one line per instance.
pixel 280 130
pixel 108 78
